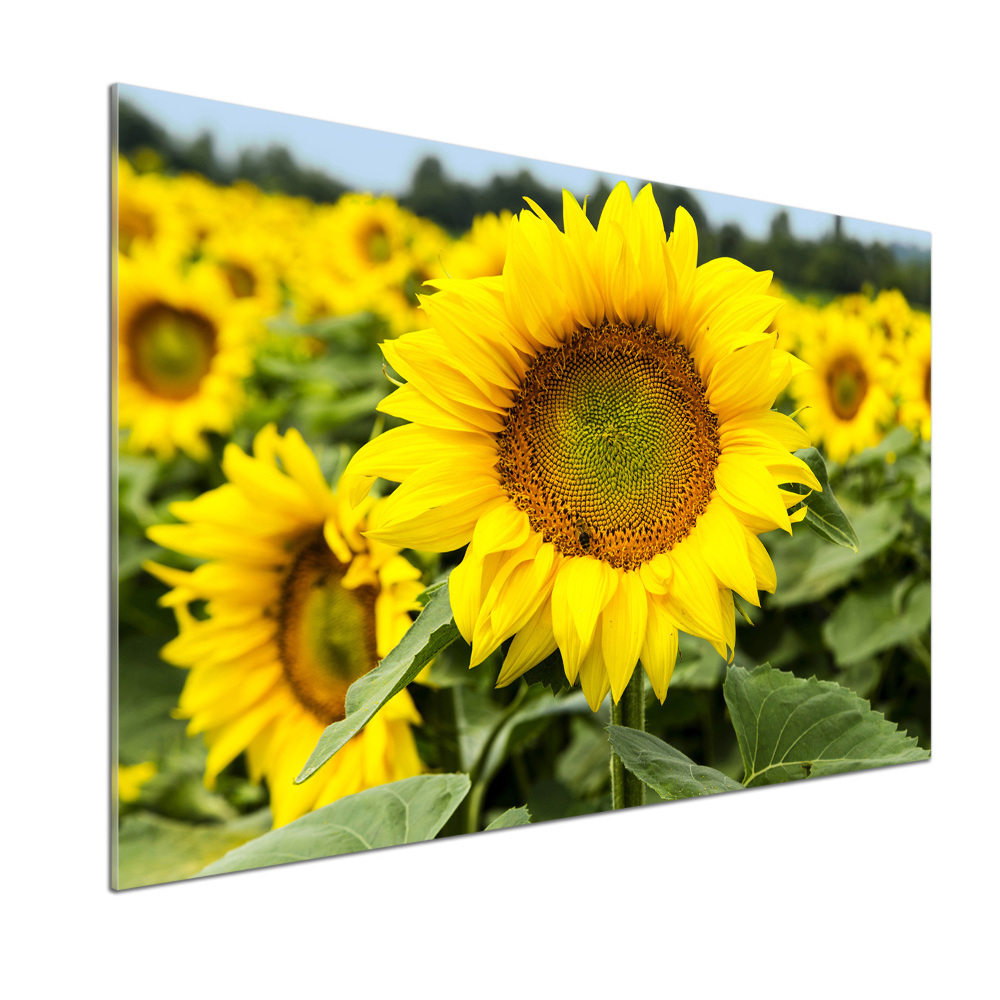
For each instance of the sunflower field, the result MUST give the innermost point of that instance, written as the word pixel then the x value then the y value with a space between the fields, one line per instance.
pixel 427 529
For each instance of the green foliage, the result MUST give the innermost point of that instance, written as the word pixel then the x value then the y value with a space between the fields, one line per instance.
pixel 671 774
pixel 823 514
pixel 512 817
pixel 433 630
pixel 549 673
pixel 153 849
pixel 808 569
pixel 870 620
pixel 404 812
pixel 791 728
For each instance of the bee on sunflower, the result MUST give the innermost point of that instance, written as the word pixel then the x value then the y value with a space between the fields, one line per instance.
pixel 603 380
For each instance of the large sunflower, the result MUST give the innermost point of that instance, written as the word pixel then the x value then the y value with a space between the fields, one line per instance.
pixel 596 424
pixel 299 606
pixel 846 404
pixel 184 345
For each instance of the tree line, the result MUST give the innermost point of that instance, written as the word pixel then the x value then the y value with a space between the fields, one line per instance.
pixel 834 264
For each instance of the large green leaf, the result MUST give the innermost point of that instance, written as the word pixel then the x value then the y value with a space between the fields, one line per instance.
pixel 404 812
pixel 152 849
pixel 823 514
pixel 791 728
pixel 868 621
pixel 667 771
pixel 512 817
pixel 433 630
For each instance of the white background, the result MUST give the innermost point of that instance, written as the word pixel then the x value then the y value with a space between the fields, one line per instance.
pixel 856 886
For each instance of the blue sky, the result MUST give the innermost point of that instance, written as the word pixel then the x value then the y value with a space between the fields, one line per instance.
pixel 384 162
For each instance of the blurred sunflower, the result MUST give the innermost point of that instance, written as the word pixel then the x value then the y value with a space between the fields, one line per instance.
pixel 299 606
pixel 847 405
pixel 364 237
pixel 242 252
pixel 145 212
pixel 596 423
pixel 481 252
pixel 184 345
pixel 915 377
pixel 132 777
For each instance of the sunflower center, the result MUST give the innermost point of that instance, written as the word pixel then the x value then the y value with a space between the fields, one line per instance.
pixel 611 447
pixel 375 244
pixel 847 384
pixel 171 350
pixel 326 633
pixel 240 279
pixel 133 224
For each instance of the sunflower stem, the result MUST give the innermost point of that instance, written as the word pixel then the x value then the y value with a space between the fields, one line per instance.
pixel 626 789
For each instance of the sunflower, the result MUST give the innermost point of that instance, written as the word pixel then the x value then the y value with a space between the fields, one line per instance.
pixel 364 237
pixel 241 252
pixel 184 345
pixel 299 606
pixel 847 405
pixel 132 777
pixel 144 211
pixel 596 424
pixel 915 377
pixel 481 252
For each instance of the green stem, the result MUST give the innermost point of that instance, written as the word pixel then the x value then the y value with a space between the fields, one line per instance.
pixel 474 803
pixel 626 789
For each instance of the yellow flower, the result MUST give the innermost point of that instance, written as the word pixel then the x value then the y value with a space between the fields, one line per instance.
pixel 847 405
pixel 364 237
pixel 915 377
pixel 596 424
pixel 299 606
pixel 242 252
pixel 184 345
pixel 146 215
pixel 132 778
pixel 481 252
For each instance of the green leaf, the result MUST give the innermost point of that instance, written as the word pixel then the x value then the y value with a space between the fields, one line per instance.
pixel 423 599
pixel 823 514
pixel 808 570
pixel 583 766
pixel 524 725
pixel 549 673
pixel 404 812
pixel 512 817
pixel 867 621
pixel 790 728
pixel 152 849
pixel 433 630
pixel 667 771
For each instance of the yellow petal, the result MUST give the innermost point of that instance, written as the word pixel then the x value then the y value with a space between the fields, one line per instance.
pixel 659 650
pixel 623 631
pixel 530 646
pixel 747 485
